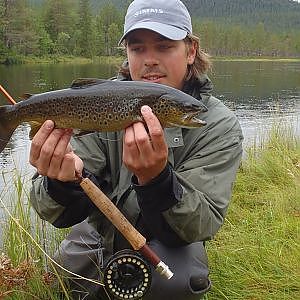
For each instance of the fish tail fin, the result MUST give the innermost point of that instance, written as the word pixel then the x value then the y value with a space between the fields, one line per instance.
pixel 7 128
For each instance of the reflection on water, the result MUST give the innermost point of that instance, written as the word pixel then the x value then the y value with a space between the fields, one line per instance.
pixel 260 94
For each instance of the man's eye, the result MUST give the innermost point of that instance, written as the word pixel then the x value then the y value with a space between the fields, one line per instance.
pixel 136 49
pixel 165 47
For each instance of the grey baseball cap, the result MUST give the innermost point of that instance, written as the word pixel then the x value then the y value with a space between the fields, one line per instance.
pixel 169 18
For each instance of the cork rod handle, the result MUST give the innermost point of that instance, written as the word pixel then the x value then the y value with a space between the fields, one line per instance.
pixel 136 240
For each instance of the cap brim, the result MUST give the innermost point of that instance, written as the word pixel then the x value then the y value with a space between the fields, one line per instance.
pixel 168 31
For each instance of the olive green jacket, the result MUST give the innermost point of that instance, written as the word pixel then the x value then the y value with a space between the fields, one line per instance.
pixel 205 161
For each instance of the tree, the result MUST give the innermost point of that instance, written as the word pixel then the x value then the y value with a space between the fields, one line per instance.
pixel 85 45
pixel 114 35
pixel 59 17
pixel 109 15
pixel 17 28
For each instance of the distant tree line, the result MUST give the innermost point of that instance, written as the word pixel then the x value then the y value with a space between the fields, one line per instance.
pixel 275 14
pixel 69 27
pixel 221 39
pixel 60 27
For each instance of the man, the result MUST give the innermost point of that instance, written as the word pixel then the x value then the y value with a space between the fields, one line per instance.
pixel 174 184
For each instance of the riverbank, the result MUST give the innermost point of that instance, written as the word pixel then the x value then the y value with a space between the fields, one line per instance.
pixel 60 59
pixel 283 59
pixel 118 59
pixel 254 256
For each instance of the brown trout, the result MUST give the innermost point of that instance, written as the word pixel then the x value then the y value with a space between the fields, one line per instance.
pixel 101 105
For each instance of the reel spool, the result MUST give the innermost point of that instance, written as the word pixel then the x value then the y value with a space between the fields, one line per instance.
pixel 127 275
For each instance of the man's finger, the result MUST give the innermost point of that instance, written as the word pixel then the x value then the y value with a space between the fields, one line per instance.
pixel 156 132
pixel 130 149
pixel 142 140
pixel 39 140
pixel 67 171
pixel 59 152
pixel 48 149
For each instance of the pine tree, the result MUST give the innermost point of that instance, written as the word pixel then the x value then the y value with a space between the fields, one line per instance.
pixel 59 17
pixel 17 28
pixel 86 44
pixel 109 15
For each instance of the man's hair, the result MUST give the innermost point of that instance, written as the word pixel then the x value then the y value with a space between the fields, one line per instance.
pixel 202 62
pixel 201 65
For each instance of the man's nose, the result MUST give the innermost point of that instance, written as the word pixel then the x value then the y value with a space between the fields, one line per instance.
pixel 151 59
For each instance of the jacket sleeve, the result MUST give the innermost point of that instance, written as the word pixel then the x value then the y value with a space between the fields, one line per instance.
pixel 205 169
pixel 207 183
pixel 65 204
pixel 206 174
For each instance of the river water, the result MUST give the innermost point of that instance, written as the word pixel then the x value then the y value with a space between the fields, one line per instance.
pixel 260 93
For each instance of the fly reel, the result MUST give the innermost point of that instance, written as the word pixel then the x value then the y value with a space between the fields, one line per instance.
pixel 127 275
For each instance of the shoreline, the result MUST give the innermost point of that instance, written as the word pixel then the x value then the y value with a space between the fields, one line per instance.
pixel 119 59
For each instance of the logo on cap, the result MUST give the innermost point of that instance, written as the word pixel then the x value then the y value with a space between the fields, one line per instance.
pixel 149 11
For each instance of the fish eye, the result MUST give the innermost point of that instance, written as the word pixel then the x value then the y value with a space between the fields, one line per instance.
pixel 192 107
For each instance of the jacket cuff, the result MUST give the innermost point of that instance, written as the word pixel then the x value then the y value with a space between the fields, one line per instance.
pixel 159 194
pixel 70 195
pixel 66 193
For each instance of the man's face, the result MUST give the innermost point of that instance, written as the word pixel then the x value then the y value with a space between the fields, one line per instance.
pixel 154 58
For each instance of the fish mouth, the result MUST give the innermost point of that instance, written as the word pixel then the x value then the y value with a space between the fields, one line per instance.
pixel 191 119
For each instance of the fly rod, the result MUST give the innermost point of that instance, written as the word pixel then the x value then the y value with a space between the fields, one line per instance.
pixel 7 95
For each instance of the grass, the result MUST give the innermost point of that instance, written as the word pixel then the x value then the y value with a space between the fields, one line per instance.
pixel 28 241
pixel 255 255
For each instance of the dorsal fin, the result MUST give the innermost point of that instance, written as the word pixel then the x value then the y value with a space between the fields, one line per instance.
pixel 86 82
pixel 26 96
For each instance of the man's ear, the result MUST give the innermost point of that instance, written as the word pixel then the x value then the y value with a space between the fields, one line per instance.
pixel 192 51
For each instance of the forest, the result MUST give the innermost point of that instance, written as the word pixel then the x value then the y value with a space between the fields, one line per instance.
pixel 90 28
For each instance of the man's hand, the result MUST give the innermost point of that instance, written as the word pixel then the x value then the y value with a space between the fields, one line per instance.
pixel 52 155
pixel 145 153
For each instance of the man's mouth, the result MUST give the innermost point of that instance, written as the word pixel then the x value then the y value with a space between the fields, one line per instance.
pixel 152 77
